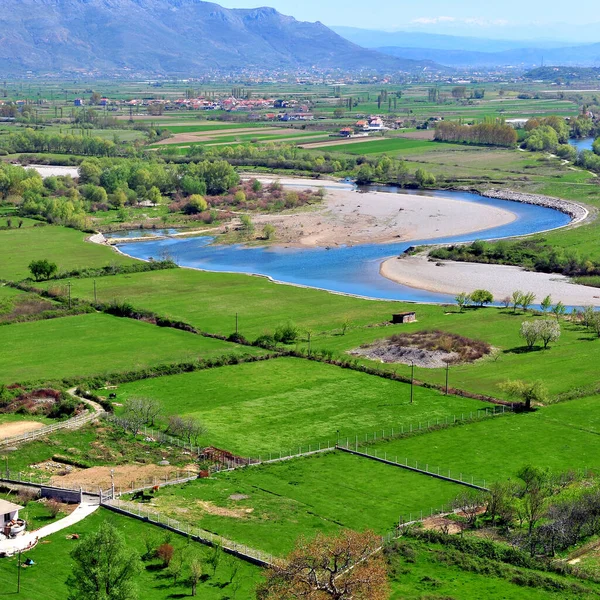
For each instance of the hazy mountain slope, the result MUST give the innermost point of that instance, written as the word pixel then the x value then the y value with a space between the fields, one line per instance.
pixel 588 55
pixel 170 36
pixel 371 38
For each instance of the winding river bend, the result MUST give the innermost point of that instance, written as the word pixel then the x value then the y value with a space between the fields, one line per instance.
pixel 345 269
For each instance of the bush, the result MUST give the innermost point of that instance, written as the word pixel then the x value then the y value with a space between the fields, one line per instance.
pixel 286 334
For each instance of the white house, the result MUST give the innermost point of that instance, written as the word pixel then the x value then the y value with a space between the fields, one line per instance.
pixel 9 512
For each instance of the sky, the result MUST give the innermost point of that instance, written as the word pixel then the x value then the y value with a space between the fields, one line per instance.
pixel 510 19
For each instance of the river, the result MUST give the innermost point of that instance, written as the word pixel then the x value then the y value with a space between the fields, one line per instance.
pixel 346 269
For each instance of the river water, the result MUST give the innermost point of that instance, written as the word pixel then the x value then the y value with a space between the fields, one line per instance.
pixel 346 269
pixel 582 144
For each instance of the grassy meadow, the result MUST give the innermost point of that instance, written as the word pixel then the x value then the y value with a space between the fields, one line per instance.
pixel 280 404
pixel 560 437
pixel 94 344
pixel 321 493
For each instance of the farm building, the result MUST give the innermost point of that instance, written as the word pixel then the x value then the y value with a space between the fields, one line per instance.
pixel 404 317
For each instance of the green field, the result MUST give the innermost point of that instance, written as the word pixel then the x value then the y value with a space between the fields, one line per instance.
pixel 322 493
pixel 65 247
pixel 210 301
pixel 560 437
pixel 391 145
pixel 46 579
pixel 96 344
pixel 572 362
pixel 280 404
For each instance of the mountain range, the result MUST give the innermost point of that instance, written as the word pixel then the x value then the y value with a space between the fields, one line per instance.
pixel 469 52
pixel 175 37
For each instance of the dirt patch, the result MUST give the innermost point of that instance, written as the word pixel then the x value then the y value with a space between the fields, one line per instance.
pixel 27 306
pixel 220 511
pixel 54 468
pixel 443 524
pixel 428 349
pixel 238 497
pixel 8 430
pixel 421 134
pixel 124 476
pixel 340 142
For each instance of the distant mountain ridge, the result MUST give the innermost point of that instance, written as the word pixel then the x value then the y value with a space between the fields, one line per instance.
pixel 580 56
pixel 178 37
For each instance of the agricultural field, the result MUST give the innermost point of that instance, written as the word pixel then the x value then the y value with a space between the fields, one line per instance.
pixel 63 246
pixel 277 405
pixel 560 437
pixel 283 501
pixel 95 344
pixel 397 146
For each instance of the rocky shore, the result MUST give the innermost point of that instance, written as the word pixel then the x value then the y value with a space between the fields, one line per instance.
pixel 577 212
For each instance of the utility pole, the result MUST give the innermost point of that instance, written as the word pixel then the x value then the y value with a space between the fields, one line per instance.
pixel 412 381
pixel 95 297
pixel 447 370
pixel 309 343
pixel 236 323
pixel 19 575
pixel 69 285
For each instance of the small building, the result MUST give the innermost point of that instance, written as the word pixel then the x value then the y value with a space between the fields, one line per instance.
pixel 347 132
pixel 404 317
pixel 78 102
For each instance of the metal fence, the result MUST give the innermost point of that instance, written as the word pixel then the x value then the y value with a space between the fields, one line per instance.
pixel 72 423
pixel 195 533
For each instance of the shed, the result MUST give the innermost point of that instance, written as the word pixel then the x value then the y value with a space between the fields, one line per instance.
pixel 404 317
pixel 8 511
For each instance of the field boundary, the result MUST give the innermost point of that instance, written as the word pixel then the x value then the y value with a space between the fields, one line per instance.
pixel 252 555
pixel 415 469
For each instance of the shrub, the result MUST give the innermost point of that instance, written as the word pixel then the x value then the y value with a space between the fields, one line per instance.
pixel 286 334
pixel 165 553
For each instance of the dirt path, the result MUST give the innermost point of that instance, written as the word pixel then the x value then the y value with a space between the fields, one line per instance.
pixel 342 141
pixel 8 430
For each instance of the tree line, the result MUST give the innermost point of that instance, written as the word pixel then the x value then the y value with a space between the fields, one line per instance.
pixel 488 133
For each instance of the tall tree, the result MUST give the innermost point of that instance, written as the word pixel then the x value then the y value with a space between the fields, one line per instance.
pixel 104 567
pixel 342 567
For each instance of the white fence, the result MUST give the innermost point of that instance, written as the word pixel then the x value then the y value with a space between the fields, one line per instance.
pixel 205 537
pixel 72 423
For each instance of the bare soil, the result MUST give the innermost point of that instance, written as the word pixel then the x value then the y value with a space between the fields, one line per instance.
pixel 443 524
pixel 8 430
pixel 124 475
pixel 428 349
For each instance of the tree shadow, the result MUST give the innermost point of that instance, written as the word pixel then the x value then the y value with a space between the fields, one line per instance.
pixel 523 350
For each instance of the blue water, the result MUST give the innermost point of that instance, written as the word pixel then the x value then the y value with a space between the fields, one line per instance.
pixel 351 269
pixel 582 144
pixel 138 233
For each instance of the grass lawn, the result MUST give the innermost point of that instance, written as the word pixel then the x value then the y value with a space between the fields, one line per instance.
pixel 560 437
pixel 209 301
pixel 322 493
pixel 46 579
pixel 571 363
pixel 95 344
pixel 65 247
pixel 274 405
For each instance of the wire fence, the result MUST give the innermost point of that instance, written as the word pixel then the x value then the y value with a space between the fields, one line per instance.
pixel 357 441
pixel 72 423
pixel 195 533
pixel 424 468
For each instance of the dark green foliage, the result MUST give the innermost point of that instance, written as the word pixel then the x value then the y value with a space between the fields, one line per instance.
pixel 42 269
pixel 532 254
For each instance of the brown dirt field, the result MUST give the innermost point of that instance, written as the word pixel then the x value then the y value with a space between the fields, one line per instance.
pixel 340 141
pixel 209 136
pixel 124 475
pixel 442 524
pixel 211 509
pixel 8 430
pixel 422 134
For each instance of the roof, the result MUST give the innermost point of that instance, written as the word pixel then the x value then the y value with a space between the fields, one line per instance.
pixel 7 507
pixel 404 314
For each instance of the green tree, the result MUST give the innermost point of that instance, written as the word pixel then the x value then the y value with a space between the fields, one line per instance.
pixel 482 297
pixel 462 300
pixel 268 231
pixel 247 224
pixel 424 178
pixel 546 303
pixel 525 392
pixel 559 310
pixel 104 567
pixel 154 195
pixel 195 204
pixel 42 269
